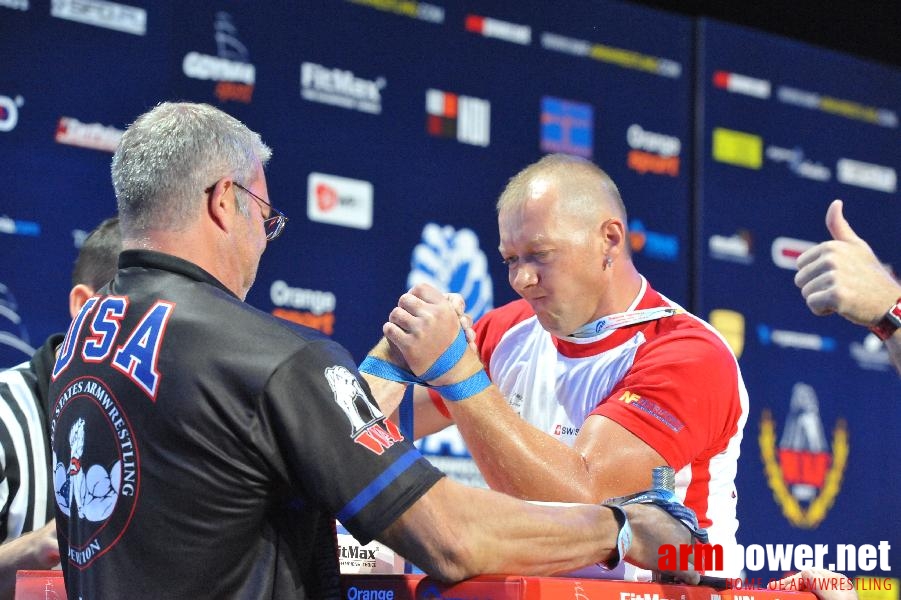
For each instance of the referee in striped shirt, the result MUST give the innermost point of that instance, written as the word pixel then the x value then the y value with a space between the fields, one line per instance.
pixel 27 532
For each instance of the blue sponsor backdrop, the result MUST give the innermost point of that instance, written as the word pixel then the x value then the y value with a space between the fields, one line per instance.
pixel 785 128
pixel 396 124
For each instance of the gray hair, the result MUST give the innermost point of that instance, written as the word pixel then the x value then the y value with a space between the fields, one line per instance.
pixel 170 155
pixel 584 187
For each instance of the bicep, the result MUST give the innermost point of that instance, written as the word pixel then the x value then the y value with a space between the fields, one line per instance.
pixel 618 462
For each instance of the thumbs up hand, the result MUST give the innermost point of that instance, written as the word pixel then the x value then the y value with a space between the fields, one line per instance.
pixel 838 226
pixel 844 276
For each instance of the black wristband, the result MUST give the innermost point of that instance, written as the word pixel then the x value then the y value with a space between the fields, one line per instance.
pixel 623 538
pixel 889 323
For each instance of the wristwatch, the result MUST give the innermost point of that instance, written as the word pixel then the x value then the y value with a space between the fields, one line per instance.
pixel 889 323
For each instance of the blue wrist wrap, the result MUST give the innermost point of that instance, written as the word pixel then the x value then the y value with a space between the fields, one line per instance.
pixel 386 370
pixel 462 390
pixel 450 357
pixel 454 392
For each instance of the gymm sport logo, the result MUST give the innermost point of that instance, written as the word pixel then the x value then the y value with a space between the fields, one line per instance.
pixel 231 69
pixel 804 475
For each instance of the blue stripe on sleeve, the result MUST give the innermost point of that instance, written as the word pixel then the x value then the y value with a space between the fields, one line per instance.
pixel 378 484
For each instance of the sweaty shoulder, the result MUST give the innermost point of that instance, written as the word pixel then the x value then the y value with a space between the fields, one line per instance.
pixel 687 350
pixel 686 339
pixel 682 394
pixel 682 325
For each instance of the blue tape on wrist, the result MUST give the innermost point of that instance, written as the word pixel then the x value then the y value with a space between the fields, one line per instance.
pixel 450 357
pixel 386 370
pixel 462 390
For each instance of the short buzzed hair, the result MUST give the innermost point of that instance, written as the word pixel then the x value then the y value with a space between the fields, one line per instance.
pixel 98 258
pixel 581 184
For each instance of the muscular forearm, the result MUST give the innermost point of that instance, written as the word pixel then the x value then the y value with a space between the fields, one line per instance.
pixel 388 394
pixel 454 533
pixel 516 458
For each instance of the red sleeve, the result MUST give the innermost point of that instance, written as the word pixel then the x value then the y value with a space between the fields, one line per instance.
pixel 680 396
pixel 492 326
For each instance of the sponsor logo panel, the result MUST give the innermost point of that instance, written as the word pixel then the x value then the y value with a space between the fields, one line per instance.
pixel 836 106
pixel 464 118
pixel 742 84
pixel 501 30
pixel 731 325
pixel 340 87
pixel 620 57
pixel 866 175
pixel 567 126
pixel 231 69
pixel 798 163
pixel 339 201
pixel 653 244
pixel 14 4
pixel 785 251
pixel 422 11
pixel 870 354
pixel 735 248
pixel 95 136
pixel 310 308
pixel 9 112
pixel 737 148
pixel 99 13
pixel 18 227
pixel 797 340
pixel 652 152
pixel 374 557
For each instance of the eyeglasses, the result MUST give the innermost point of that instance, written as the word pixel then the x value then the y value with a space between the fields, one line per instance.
pixel 273 225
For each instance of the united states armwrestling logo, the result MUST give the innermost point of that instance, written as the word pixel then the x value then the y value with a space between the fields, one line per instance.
pixel 96 469
pixel 804 474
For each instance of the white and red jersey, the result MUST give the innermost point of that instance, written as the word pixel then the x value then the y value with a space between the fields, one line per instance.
pixel 672 381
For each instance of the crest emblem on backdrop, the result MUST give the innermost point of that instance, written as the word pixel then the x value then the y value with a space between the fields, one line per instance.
pixel 804 474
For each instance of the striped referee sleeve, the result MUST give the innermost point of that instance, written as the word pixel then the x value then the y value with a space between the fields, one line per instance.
pixel 25 479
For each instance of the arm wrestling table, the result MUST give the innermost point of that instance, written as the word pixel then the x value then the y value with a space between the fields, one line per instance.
pixel 48 585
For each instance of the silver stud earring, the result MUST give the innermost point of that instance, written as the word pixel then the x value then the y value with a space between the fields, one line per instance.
pixel 608 262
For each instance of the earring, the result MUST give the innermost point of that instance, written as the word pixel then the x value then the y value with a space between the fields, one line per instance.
pixel 608 262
